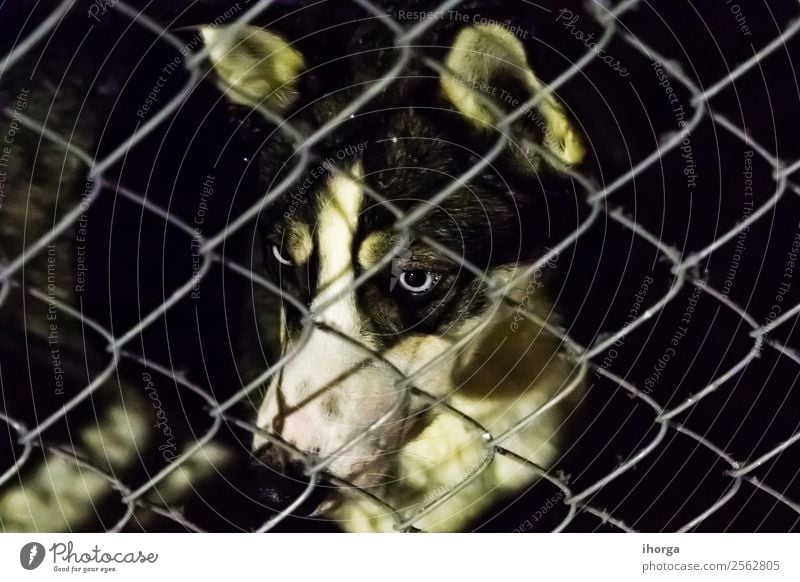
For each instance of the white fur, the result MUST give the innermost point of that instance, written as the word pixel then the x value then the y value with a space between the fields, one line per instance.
pixel 451 451
pixel 330 392
pixel 338 220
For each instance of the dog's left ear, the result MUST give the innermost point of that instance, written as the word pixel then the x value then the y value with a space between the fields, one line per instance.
pixel 254 66
pixel 488 64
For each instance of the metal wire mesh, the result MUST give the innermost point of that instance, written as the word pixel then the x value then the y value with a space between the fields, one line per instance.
pixel 683 269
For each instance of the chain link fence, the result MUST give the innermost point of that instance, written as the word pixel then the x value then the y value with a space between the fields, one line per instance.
pixel 685 274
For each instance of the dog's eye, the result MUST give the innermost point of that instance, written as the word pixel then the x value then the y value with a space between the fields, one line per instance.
pixel 280 258
pixel 418 281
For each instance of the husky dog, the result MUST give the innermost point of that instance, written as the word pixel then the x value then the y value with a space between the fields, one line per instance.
pixel 417 363
pixel 393 342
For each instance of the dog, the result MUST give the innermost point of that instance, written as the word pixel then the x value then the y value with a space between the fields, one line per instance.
pixel 391 340
pixel 417 367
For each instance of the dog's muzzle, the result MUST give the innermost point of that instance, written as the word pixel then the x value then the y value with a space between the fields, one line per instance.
pixel 280 482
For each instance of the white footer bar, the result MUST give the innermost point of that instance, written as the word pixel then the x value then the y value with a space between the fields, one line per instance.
pixel 411 557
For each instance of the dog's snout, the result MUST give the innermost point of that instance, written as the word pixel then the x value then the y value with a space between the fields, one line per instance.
pixel 280 482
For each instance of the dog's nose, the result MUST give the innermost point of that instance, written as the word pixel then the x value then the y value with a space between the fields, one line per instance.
pixel 279 483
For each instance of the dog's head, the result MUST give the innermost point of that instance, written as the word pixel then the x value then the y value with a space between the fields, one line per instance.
pixel 372 309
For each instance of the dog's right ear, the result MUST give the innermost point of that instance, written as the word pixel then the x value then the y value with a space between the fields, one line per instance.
pixel 489 64
pixel 253 66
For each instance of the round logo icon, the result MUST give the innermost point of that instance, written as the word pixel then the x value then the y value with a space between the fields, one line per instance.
pixel 31 555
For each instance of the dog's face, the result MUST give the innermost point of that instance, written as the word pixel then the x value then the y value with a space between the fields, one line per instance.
pixel 377 309
pixel 411 302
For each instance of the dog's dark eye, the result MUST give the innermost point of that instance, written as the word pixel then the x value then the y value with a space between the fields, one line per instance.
pixel 418 281
pixel 280 258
